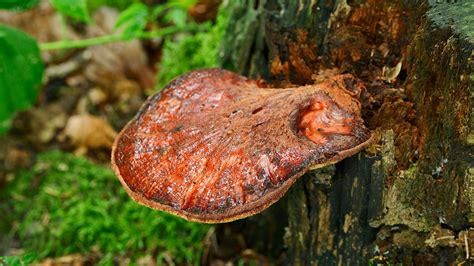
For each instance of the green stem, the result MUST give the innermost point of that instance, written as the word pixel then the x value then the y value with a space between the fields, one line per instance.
pixel 112 38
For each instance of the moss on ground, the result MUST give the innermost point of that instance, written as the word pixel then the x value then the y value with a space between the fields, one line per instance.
pixel 66 204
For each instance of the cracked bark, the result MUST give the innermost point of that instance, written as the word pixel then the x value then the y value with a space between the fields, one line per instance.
pixel 410 197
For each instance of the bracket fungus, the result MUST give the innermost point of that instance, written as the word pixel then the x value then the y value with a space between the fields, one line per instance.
pixel 214 146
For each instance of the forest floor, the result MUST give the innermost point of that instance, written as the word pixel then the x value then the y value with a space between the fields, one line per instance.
pixel 59 199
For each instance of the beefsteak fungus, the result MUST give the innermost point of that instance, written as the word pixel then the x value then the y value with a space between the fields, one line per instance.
pixel 214 146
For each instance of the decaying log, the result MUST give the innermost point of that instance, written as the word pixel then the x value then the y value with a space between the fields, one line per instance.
pixel 409 197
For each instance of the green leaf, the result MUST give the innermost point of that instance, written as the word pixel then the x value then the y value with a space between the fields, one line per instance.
pixel 177 16
pixel 119 4
pixel 184 4
pixel 200 50
pixel 174 11
pixel 157 11
pixel 76 9
pixel 133 20
pixel 17 4
pixel 21 72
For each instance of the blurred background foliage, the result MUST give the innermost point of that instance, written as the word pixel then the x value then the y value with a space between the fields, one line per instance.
pixel 200 50
pixel 54 204
pixel 192 51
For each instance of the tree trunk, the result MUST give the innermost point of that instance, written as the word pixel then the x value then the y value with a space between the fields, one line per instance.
pixel 410 196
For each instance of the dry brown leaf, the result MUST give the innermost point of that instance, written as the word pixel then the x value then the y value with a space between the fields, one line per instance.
pixel 97 96
pixel 70 260
pixel 41 124
pixel 204 10
pixel 89 132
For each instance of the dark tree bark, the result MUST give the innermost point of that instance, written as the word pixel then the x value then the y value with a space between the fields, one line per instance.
pixel 410 196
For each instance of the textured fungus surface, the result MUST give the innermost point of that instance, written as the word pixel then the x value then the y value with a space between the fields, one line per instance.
pixel 214 146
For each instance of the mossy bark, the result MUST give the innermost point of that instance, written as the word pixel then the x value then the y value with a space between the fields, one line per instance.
pixel 409 197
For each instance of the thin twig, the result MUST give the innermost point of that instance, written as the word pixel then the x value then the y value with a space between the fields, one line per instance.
pixel 113 38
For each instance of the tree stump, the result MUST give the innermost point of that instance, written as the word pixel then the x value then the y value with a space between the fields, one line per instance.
pixel 409 197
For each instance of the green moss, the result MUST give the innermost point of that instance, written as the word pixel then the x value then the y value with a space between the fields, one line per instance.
pixel 457 15
pixel 25 259
pixel 66 204
pixel 189 52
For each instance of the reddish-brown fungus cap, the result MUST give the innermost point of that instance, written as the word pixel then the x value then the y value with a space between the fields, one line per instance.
pixel 214 146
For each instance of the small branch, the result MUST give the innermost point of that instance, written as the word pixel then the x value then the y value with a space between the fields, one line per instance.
pixel 113 38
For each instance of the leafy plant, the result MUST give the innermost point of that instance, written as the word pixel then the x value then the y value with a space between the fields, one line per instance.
pixel 66 204
pixel 133 20
pixel 17 4
pixel 175 10
pixel 21 72
pixel 80 9
pixel 119 4
pixel 76 9
pixel 19 53
pixel 190 52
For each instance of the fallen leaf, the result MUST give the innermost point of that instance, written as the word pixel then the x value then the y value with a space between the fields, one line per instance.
pixel 89 132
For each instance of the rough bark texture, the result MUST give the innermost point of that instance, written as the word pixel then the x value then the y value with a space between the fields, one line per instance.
pixel 410 197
